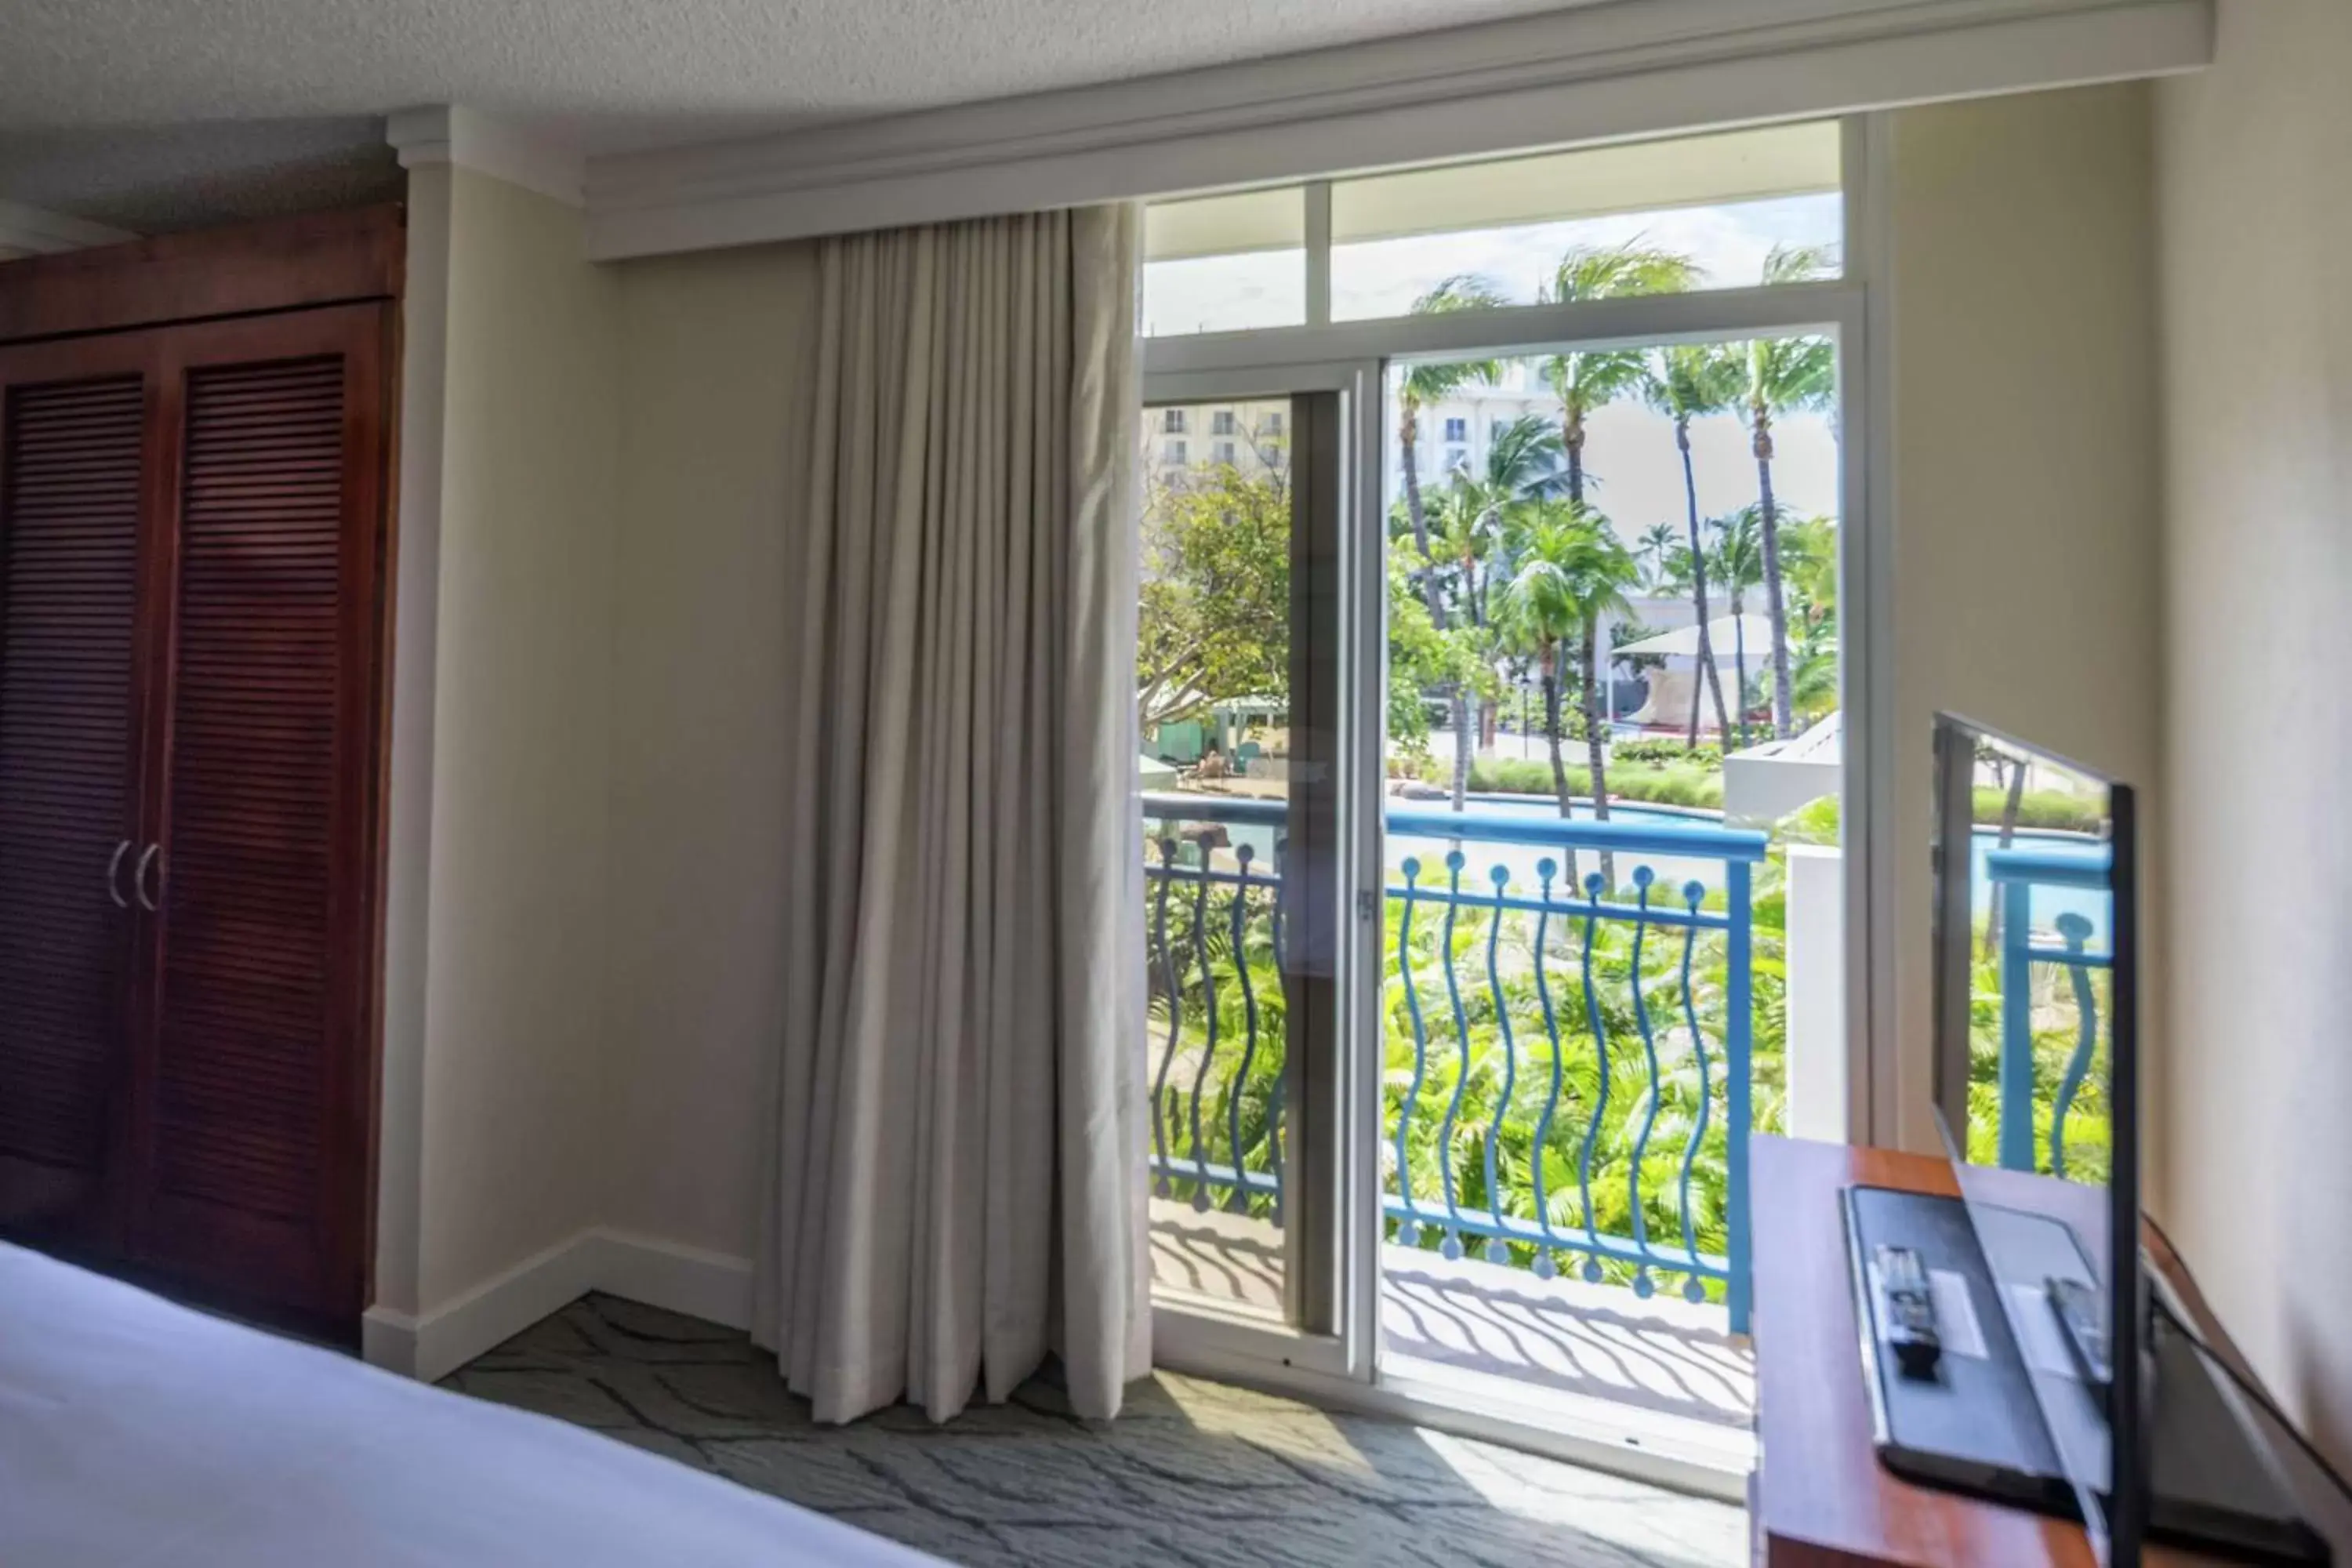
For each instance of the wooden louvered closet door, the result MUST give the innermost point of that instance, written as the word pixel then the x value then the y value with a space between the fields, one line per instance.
pixel 73 486
pixel 248 1169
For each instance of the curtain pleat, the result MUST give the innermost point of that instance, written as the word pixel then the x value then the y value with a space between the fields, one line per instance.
pixel 956 1178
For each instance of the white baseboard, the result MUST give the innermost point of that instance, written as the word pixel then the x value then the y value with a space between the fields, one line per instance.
pixel 388 1339
pixel 712 1285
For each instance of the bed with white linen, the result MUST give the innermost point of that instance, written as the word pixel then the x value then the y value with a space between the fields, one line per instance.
pixel 135 1432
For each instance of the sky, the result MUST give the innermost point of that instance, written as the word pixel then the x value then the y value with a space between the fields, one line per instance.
pixel 1383 278
pixel 1635 472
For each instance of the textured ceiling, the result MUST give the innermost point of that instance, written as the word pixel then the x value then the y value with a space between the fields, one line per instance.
pixel 158 113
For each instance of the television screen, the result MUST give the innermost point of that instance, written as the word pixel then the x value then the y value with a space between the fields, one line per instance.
pixel 2034 1083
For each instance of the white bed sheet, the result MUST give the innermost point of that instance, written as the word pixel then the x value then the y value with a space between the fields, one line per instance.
pixel 136 1432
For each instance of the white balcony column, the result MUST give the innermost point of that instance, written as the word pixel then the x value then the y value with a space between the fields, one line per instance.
pixel 1816 1045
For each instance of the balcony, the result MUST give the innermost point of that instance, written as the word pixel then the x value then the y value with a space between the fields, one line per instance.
pixel 1582 1022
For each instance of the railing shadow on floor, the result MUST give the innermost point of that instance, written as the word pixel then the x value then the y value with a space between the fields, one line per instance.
pixel 1546 1336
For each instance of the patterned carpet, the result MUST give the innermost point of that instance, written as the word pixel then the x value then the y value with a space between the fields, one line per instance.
pixel 1194 1474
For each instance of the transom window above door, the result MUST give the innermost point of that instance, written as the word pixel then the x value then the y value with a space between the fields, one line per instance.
pixel 1490 234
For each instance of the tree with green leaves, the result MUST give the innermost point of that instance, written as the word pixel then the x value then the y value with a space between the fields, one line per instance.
pixel 1738 565
pixel 1687 382
pixel 1808 572
pixel 1570 574
pixel 1214 614
pixel 1785 375
pixel 1460 539
pixel 1588 379
pixel 1523 463
pixel 1433 381
pixel 1808 567
pixel 1421 658
pixel 1418 387
pixel 1655 550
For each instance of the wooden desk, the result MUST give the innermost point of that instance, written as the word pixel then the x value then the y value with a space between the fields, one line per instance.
pixel 1820 1497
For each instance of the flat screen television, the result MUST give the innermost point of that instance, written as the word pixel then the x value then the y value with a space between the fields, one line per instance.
pixel 2040 1288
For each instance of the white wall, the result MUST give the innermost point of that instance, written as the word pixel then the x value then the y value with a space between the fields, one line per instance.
pixel 712 476
pixel 2026 588
pixel 2255 233
pixel 610 750
pixel 496 1091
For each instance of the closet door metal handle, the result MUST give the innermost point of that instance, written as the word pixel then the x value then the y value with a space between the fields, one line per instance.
pixel 113 869
pixel 138 879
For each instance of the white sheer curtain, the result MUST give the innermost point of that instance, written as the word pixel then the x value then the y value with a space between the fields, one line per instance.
pixel 957 1182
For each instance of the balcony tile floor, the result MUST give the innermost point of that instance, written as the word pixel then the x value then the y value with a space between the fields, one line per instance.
pixel 1481 1324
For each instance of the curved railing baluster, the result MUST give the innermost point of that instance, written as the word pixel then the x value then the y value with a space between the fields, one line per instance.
pixel 1600 1108
pixel 1643 878
pixel 1499 1224
pixel 1175 1013
pixel 1274 1099
pixel 2076 931
pixel 1496 1250
pixel 1209 1012
pixel 1692 1289
pixel 1409 1229
pixel 1452 1246
pixel 1692 896
pixel 2024 877
pixel 1543 1265
pixel 1238 1199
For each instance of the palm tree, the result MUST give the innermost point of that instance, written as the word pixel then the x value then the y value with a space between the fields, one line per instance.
pixel 1585 380
pixel 1523 459
pixel 1809 569
pixel 1417 387
pixel 1523 463
pixel 1738 563
pixel 1814 663
pixel 1421 385
pixel 1809 572
pixel 1785 375
pixel 1685 382
pixel 1655 550
pixel 1459 537
pixel 1572 573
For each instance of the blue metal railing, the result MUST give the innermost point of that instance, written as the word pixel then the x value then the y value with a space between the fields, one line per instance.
pixel 1625 963
pixel 2017 872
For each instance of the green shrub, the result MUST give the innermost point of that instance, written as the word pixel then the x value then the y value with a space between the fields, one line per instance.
pixel 2049 809
pixel 1680 784
pixel 2043 808
pixel 1816 822
pixel 1660 749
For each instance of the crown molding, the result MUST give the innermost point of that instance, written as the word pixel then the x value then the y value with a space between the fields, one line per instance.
pixel 39 233
pixel 466 138
pixel 1609 70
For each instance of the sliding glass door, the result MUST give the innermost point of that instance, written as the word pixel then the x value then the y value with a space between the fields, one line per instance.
pixel 1239 667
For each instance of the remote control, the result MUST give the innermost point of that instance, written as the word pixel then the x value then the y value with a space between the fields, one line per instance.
pixel 2081 1315
pixel 1908 1309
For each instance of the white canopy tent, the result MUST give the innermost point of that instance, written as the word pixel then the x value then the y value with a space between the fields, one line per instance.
pixel 1728 637
pixel 1725 634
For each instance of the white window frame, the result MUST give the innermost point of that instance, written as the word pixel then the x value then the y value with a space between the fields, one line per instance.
pixel 1852 310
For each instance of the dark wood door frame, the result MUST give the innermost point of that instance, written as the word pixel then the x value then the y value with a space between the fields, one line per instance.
pixel 321 258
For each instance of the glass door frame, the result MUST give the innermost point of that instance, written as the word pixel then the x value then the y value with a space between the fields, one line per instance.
pixel 1325 1257
pixel 1353 358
